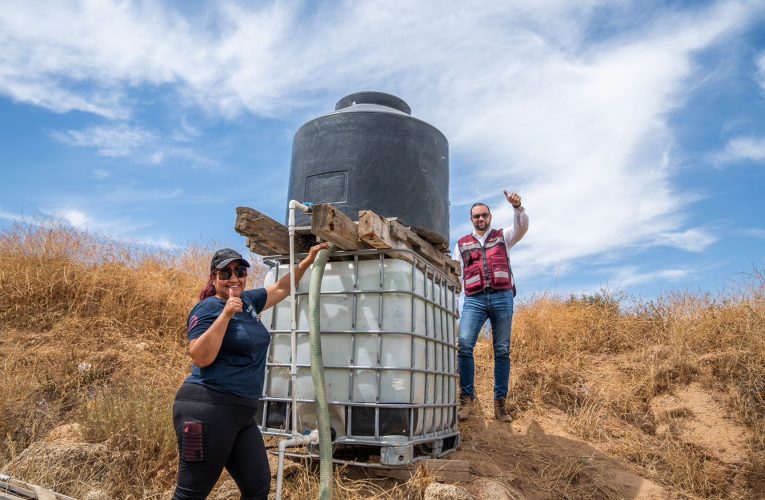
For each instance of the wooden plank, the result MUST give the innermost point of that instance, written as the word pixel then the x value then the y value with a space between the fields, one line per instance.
pixel 440 464
pixel 256 247
pixel 4 495
pixel 10 491
pixel 437 252
pixel 402 473
pixel 424 247
pixel 450 471
pixel 390 233
pixel 442 247
pixel 14 489
pixel 20 488
pixel 454 265
pixel 432 237
pixel 43 493
pixel 265 236
pixel 331 225
pixel 378 234
pixel 374 230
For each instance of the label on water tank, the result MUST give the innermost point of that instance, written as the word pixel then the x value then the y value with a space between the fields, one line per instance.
pixel 398 384
pixel 330 187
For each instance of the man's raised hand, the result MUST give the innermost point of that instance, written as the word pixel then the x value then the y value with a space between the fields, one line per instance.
pixel 513 198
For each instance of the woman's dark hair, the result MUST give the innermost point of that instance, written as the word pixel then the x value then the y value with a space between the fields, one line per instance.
pixel 209 289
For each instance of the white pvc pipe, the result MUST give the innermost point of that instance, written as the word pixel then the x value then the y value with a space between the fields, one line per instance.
pixel 293 307
pixel 297 440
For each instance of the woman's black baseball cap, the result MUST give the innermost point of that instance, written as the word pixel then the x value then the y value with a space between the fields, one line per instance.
pixel 224 257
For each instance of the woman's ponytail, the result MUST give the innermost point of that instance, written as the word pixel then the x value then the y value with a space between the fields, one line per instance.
pixel 209 290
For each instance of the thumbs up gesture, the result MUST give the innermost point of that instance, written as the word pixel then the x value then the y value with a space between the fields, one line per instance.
pixel 234 303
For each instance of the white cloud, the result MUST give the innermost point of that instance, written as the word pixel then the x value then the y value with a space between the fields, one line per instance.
pixel 83 56
pixel 108 140
pixel 117 227
pixel 587 145
pixel 756 232
pixel 628 276
pixel 143 146
pixel 691 240
pixel 132 195
pixel 534 96
pixel 742 149
pixel 160 242
pixel 76 218
pixel 157 157
pixel 11 216
pixel 761 70
pixel 48 95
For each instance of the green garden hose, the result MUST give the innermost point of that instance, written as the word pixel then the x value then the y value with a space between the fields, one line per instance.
pixel 317 374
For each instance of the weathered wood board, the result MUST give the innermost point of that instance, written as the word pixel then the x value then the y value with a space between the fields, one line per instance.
pixel 14 489
pixel 265 236
pixel 330 224
pixel 449 471
pixel 383 233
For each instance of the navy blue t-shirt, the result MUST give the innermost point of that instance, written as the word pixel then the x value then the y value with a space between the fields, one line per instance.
pixel 240 365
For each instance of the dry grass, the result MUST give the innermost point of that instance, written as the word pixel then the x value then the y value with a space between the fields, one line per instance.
pixel 603 363
pixel 91 331
pixel 353 484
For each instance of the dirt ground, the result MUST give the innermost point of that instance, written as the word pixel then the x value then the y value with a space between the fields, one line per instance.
pixel 536 456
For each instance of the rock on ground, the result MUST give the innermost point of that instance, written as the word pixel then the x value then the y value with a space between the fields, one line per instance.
pixel 440 491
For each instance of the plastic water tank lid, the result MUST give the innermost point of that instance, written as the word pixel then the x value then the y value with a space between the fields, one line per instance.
pixel 375 98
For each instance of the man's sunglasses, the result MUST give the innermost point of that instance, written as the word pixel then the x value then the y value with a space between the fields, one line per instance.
pixel 481 216
pixel 225 274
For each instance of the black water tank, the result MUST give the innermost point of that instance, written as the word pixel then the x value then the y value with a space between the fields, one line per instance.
pixel 371 154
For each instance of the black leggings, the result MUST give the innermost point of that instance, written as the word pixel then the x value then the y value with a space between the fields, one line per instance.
pixel 217 430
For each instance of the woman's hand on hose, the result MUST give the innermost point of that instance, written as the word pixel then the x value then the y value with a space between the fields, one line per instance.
pixel 313 252
pixel 281 289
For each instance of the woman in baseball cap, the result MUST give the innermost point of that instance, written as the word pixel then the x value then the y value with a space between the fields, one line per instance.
pixel 214 408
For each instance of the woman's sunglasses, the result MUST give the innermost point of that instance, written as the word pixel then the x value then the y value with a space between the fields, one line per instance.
pixel 225 274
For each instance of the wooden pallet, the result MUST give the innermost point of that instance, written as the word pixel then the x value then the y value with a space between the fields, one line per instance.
pixel 444 470
pixel 13 489
pixel 266 236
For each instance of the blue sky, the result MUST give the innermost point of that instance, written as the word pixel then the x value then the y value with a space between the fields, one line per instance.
pixel 633 130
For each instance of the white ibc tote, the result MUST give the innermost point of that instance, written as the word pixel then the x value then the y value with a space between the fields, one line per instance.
pixel 389 351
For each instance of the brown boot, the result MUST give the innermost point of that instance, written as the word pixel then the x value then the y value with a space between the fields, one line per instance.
pixel 465 409
pixel 500 412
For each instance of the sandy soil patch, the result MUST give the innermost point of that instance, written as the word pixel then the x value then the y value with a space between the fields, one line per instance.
pixel 698 416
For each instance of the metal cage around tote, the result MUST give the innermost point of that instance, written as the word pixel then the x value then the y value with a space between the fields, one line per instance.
pixel 389 343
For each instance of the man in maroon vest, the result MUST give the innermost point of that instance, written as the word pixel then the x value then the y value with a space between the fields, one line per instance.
pixel 489 288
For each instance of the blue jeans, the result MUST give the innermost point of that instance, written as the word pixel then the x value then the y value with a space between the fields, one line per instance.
pixel 498 308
